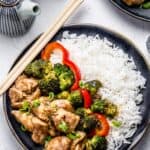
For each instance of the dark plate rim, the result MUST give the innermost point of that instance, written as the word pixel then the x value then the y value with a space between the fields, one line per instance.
pixel 74 25
pixel 129 13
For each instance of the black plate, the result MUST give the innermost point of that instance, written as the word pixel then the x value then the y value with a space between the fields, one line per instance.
pixel 137 12
pixel 24 138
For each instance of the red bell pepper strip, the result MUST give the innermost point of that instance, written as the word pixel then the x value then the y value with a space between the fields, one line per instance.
pixel 104 130
pixel 87 98
pixel 104 126
pixel 51 47
pixel 76 72
pixel 46 53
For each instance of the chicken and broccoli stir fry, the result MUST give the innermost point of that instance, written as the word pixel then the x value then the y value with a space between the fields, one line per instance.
pixel 59 110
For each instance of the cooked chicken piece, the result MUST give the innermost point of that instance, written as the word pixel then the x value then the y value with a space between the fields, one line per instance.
pixel 80 146
pixel 33 124
pixel 24 89
pixel 58 143
pixel 68 119
pixel 62 103
pixel 42 113
pixel 24 119
pixel 29 121
pixel 52 130
pixel 33 95
pixel 43 110
pixel 133 2
pixel 46 107
pixel 15 94
pixel 79 143
pixel 17 105
pixel 25 84
pixel 28 98
pixel 38 136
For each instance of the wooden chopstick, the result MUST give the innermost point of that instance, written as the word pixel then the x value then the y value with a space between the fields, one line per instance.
pixel 39 45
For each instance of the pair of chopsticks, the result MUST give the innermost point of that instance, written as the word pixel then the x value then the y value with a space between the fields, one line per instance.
pixel 39 45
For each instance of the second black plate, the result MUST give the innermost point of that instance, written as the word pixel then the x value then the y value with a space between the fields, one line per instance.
pixel 137 12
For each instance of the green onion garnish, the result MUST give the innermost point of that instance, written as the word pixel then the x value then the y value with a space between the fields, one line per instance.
pixel 51 96
pixel 73 136
pixel 23 128
pixel 25 107
pixel 116 123
pixel 63 126
pixel 48 138
pixel 36 103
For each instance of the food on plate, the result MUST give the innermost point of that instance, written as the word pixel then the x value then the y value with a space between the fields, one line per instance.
pixel 146 5
pixel 142 3
pixel 32 124
pixel 83 93
pixel 104 107
pixel 96 142
pixel 133 2
pixel 57 143
pixel 24 88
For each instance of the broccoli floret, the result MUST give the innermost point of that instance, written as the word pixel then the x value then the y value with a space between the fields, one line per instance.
pixel 75 98
pixel 63 95
pixel 65 76
pixel 47 85
pixel 38 68
pixel 66 80
pixel 59 69
pixel 104 107
pixel 99 106
pixel 92 86
pixel 50 75
pixel 96 143
pixel 81 112
pixel 87 123
pixel 111 110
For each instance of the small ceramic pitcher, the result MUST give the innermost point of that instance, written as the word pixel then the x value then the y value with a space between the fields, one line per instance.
pixel 17 16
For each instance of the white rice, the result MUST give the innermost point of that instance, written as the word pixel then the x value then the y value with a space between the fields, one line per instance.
pixel 100 59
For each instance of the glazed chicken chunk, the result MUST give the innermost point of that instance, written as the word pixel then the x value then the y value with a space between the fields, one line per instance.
pixel 133 2
pixel 59 143
pixel 62 103
pixel 38 136
pixel 32 124
pixel 25 84
pixel 24 89
pixel 47 107
pixel 43 110
pixel 79 143
pixel 65 121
